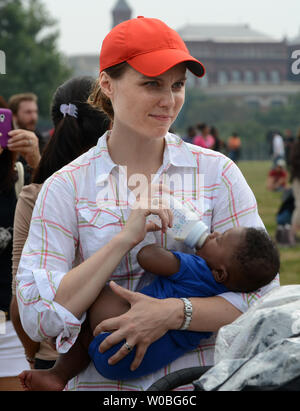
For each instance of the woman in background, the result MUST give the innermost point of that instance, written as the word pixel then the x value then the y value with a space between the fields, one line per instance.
pixel 77 127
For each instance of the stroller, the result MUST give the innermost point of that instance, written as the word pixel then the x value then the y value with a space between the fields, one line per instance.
pixel 260 351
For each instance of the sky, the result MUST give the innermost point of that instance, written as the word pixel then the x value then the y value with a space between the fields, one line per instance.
pixel 83 24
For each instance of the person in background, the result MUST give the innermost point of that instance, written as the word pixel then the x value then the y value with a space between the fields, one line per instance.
pixel 295 179
pixel 204 139
pixel 25 138
pixel 191 133
pixel 277 147
pixel 75 131
pixel 12 357
pixel 278 177
pixel 234 145
pixel 284 218
pixel 219 144
pixel 288 140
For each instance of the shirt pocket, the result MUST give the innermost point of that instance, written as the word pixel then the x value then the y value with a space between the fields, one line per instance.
pixel 96 228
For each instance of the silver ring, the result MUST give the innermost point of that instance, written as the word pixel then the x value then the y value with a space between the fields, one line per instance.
pixel 128 347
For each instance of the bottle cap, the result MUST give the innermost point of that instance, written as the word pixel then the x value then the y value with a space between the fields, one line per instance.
pixel 198 234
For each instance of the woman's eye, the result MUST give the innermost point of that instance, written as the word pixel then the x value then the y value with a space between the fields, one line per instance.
pixel 178 85
pixel 152 83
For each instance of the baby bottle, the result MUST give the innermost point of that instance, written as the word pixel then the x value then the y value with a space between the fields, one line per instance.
pixel 186 225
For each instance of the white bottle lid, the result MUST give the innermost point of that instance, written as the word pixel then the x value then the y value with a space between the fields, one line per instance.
pixel 197 235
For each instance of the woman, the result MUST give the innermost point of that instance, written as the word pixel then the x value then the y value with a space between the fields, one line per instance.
pixel 12 357
pixel 205 139
pixel 84 207
pixel 73 135
pixel 295 179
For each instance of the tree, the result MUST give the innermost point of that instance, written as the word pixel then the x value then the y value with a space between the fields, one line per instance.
pixel 28 37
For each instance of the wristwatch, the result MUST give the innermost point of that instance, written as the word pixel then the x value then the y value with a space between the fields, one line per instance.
pixel 188 313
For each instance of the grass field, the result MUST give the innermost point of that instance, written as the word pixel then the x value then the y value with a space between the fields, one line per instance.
pixel 255 173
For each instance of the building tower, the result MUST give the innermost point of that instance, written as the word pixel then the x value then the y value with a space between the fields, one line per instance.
pixel 120 12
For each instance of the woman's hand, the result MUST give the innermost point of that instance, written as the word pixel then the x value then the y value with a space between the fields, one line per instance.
pixel 147 321
pixel 27 144
pixel 137 225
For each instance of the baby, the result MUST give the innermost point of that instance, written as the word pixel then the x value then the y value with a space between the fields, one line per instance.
pixel 241 260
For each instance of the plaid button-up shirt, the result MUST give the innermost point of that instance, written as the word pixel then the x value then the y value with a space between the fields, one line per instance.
pixel 70 223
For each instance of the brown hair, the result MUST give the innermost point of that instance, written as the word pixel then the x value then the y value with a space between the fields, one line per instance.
pixel 15 100
pixel 98 99
pixel 72 136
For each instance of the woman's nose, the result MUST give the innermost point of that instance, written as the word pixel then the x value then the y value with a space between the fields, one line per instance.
pixel 167 98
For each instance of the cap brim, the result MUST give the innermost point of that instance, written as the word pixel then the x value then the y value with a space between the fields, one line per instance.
pixel 157 62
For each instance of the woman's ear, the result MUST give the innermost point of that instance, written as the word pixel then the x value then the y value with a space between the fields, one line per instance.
pixel 220 275
pixel 105 82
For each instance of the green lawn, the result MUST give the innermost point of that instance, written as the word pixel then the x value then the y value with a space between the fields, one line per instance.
pixel 255 173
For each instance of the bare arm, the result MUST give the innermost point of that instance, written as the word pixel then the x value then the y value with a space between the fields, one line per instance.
pixel 212 313
pixel 158 260
pixel 80 287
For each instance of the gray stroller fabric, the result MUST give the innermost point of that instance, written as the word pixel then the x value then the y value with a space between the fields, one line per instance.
pixel 261 349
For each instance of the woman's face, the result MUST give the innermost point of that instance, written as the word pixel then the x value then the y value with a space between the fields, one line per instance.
pixel 146 105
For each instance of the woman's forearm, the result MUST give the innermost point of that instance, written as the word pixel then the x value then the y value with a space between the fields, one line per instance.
pixel 211 313
pixel 80 287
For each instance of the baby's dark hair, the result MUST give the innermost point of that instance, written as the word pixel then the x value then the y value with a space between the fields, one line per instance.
pixel 258 260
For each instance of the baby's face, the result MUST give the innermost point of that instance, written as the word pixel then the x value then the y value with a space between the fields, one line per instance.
pixel 218 248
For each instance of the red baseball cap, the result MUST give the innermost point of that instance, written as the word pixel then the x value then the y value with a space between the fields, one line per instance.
pixel 149 46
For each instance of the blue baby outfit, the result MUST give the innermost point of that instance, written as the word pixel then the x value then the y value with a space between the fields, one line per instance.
pixel 194 279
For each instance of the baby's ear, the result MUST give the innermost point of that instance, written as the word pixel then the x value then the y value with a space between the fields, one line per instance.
pixel 220 275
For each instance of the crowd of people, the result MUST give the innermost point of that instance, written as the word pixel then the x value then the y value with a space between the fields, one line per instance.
pixel 59 247
pixel 284 177
pixel 206 136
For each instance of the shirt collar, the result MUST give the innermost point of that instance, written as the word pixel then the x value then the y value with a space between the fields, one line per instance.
pixel 104 165
pixel 176 153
